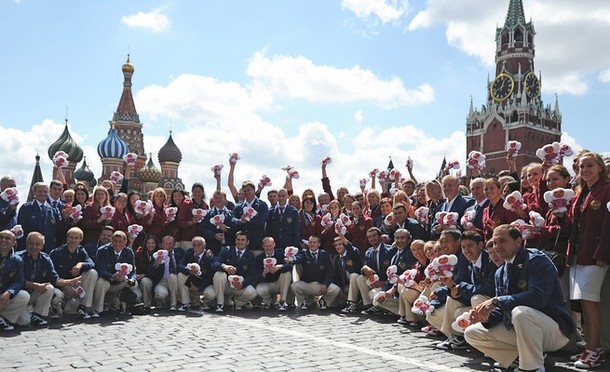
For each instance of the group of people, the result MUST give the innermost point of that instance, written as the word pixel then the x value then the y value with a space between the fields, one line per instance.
pixel 479 265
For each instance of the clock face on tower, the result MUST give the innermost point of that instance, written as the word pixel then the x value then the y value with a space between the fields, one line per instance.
pixel 532 85
pixel 502 87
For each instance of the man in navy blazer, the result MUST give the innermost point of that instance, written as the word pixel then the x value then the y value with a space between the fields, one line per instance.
pixel 238 261
pixel 316 278
pixel 255 226
pixel 348 264
pixel 454 203
pixel 39 216
pixel 217 236
pixel 477 287
pixel 191 280
pixel 480 202
pixel 528 316
pixel 163 272
pixel 273 279
pixel 283 223
pixel 13 296
pixel 376 262
pixel 110 281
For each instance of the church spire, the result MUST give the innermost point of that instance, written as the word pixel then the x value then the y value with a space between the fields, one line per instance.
pixel 126 111
pixel 515 14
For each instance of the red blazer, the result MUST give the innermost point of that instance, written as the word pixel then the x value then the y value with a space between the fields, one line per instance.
pixel 356 233
pixel 500 216
pixel 120 221
pixel 535 200
pixel 590 237
pixel 157 226
pixel 556 232
pixel 184 216
pixel 310 228
pixel 91 228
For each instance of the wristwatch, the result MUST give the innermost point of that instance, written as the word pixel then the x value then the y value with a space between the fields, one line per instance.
pixel 495 302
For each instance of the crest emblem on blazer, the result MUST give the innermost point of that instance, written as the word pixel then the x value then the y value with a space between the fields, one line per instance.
pixel 349 263
pixel 522 284
pixel 596 204
pixel 403 266
pixel 386 262
pixel 289 219
pixel 321 267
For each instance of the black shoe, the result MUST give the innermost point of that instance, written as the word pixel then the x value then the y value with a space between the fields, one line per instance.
pixel 371 311
pixel 82 312
pixel 322 304
pixel 5 325
pixel 38 320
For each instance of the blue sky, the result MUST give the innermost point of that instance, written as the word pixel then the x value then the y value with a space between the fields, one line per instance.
pixel 285 82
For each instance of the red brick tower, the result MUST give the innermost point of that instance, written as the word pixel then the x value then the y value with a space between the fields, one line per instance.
pixel 127 123
pixel 514 108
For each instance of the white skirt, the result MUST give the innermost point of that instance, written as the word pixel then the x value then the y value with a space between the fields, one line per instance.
pixel 586 282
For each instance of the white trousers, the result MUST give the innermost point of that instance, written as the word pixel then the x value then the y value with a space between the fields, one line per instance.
pixel 534 333
pixel 223 291
pixel 304 291
pixel 269 290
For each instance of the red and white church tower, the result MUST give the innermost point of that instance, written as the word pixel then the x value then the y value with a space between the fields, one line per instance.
pixel 514 109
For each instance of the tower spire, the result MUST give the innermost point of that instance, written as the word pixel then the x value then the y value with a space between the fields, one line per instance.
pixel 126 111
pixel 515 14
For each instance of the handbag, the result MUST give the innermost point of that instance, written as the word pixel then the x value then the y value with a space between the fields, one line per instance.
pixel 558 259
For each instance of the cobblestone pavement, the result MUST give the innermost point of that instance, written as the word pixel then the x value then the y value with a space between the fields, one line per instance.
pixel 246 340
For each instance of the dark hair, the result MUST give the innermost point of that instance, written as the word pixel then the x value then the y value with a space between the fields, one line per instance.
pixel 472 235
pixel 311 199
pixel 374 229
pixel 172 203
pixel 513 185
pixel 129 207
pixel 455 233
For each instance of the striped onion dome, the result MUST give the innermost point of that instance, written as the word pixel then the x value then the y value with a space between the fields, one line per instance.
pixel 67 144
pixel 112 146
pixel 170 152
pixel 83 173
pixel 149 172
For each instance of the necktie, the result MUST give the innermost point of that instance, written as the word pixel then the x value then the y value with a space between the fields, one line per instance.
pixel 172 264
pixel 476 275
pixel 42 210
pixel 315 257
pixel 477 208
pixel 55 204
pixel 239 255
pixel 281 211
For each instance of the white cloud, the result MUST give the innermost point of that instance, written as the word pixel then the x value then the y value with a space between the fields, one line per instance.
pixel 565 32
pixel 154 20
pixel 299 78
pixel 359 116
pixel 20 147
pixel 384 10
pixel 604 76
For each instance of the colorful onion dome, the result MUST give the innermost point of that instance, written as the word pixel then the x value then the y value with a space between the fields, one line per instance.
pixel 83 173
pixel 67 144
pixel 170 152
pixel 112 146
pixel 149 173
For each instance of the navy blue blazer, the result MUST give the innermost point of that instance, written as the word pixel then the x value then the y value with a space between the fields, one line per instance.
pixel 255 228
pixel 348 264
pixel 278 254
pixel 40 270
pixel 155 273
pixel 207 264
pixel 461 273
pixel 386 253
pixel 284 228
pixel 459 206
pixel 246 265
pixel 11 277
pixel 479 283
pixel 478 218
pixel 31 218
pixel 532 282
pixel 320 270
pixel 416 230
pixel 209 231
pixel 8 217
pixel 105 261
pixel 64 261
